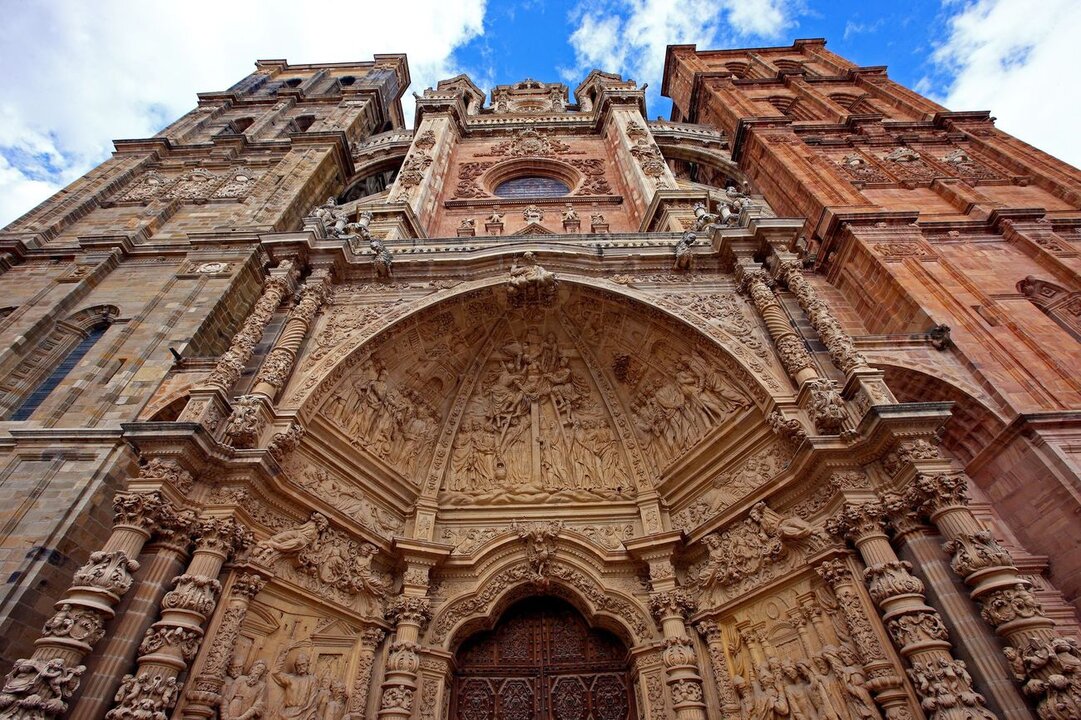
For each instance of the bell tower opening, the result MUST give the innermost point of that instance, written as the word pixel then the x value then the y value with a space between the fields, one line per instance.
pixel 542 661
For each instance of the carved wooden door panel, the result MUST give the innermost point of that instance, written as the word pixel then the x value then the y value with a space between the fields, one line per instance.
pixel 542 662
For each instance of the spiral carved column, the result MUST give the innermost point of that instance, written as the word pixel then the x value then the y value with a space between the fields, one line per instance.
pixel 41 685
pixel 1046 664
pixel 231 364
pixel 172 642
pixel 838 343
pixel 279 362
pixel 916 629
pixel 827 407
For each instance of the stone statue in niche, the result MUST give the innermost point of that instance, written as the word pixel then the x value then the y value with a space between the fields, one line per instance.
pixel 535 431
pixel 245 697
pixel 681 408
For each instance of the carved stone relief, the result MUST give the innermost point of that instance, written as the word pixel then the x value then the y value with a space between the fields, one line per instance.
pixel 733 484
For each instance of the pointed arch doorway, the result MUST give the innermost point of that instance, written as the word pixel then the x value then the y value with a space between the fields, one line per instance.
pixel 542 661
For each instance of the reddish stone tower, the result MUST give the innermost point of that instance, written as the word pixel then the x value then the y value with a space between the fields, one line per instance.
pixel 924 222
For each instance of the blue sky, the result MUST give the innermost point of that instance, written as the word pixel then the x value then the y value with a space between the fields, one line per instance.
pixel 81 74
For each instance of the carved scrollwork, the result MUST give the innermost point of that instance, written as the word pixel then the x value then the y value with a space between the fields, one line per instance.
pixel 976 551
pixel 917 628
pixel 83 625
pixel 890 579
pixel 167 470
pixel 672 603
pixel 184 639
pixel 1002 606
pixel 196 593
pixel 286 441
pixel 108 571
pixel 908 451
pixel 415 610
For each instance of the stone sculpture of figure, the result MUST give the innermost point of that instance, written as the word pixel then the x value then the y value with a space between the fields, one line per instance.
pixel 300 690
pixel 495 219
pixel 529 281
pixel 597 219
pixel 787 528
pixel 903 154
pixel 570 215
pixel 769 701
pixel 684 257
pixel 335 702
pixel 703 218
pixel 245 698
pixel 800 705
pixel 383 258
pixel 334 221
pixel 293 540
pixel 467 224
pixel 826 692
pixel 846 667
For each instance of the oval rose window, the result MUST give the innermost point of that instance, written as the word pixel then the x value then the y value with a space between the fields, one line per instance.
pixel 532 187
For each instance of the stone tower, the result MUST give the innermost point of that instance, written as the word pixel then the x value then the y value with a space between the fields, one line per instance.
pixel 542 410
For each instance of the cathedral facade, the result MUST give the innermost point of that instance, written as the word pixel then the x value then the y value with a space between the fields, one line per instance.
pixel 540 409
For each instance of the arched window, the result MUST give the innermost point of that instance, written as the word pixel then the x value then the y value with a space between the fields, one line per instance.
pixel 43 369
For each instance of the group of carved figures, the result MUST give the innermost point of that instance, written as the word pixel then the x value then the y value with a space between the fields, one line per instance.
pixel 535 390
pixel 681 407
pixel 337 224
pixel 829 685
pixel 390 422
pixel 304 696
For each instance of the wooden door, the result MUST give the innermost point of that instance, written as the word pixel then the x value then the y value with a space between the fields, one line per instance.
pixel 542 662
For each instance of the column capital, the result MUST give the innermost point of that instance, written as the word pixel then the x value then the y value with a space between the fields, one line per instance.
pixel 415 610
pixel 857 521
pixel 672 603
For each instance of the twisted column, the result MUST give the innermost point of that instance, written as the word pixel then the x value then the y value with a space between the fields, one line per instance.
pixel 1047 665
pixel 410 615
pixel 279 362
pixel 827 407
pixel 671 608
pixel 839 343
pixel 41 685
pixel 882 679
pixel 172 642
pixel 916 629
pixel 726 691
pixel 231 363
pixel 206 694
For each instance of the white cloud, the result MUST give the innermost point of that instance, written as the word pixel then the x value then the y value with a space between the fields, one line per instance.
pixel 81 74
pixel 631 36
pixel 1016 59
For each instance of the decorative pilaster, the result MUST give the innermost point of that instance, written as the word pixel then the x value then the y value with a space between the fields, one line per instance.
pixel 206 694
pixel 279 362
pixel 173 641
pixel 362 682
pixel 227 371
pixel 839 343
pixel 1045 663
pixel 882 680
pixel 726 691
pixel 39 687
pixel 916 629
pixel 410 615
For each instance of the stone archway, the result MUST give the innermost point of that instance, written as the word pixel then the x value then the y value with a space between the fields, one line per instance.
pixel 540 661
